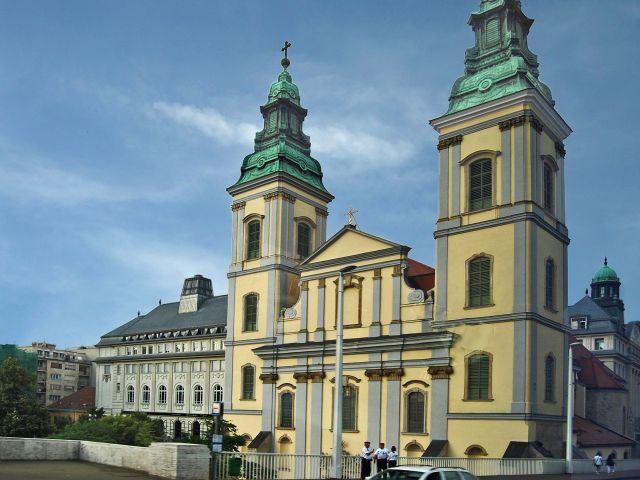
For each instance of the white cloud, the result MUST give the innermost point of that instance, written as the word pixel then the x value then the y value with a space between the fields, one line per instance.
pixel 209 122
pixel 161 263
pixel 359 150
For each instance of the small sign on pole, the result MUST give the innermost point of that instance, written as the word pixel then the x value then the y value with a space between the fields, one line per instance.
pixel 217 409
pixel 216 448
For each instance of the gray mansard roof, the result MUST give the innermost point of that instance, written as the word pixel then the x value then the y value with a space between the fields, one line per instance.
pixel 599 319
pixel 165 318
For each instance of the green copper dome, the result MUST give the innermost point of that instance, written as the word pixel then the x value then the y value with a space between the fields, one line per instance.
pixel 605 274
pixel 284 88
pixel 281 147
pixel 500 63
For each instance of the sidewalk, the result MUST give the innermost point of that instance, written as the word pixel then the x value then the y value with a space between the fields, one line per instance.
pixel 66 470
pixel 628 475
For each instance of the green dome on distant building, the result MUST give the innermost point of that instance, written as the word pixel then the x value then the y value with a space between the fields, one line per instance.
pixel 605 274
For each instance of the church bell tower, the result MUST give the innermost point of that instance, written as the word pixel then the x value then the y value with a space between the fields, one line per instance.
pixel 279 212
pixel 501 246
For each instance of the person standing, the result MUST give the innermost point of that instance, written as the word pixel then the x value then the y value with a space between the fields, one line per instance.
pixel 381 455
pixel 597 462
pixel 611 464
pixel 365 461
pixel 393 457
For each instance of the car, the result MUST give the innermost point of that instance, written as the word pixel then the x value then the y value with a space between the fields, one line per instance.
pixel 423 473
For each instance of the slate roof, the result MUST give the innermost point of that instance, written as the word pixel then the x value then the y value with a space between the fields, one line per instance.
pixel 212 313
pixel 591 434
pixel 82 400
pixel 588 307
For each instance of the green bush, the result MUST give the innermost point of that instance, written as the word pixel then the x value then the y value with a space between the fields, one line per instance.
pixel 136 429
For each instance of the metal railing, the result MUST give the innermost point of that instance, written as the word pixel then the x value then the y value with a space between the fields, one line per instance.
pixel 277 466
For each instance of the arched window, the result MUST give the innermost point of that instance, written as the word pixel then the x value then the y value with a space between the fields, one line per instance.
pixel 475 451
pixel 195 429
pixel 286 410
pixel 550 273
pixel 146 394
pixel 131 394
pixel 549 378
pixel 198 395
pixel 304 240
pixel 251 312
pixel 415 411
pixel 179 395
pixel 478 377
pixel 253 240
pixel 248 382
pixel 547 187
pixel 162 394
pixel 479 281
pixel 217 393
pixel 349 408
pixel 480 185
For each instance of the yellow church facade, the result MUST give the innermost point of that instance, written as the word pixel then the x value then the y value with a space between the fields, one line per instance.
pixel 468 360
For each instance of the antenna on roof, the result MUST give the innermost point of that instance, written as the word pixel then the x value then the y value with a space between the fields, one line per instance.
pixel 160 302
pixel 138 312
pixel 586 291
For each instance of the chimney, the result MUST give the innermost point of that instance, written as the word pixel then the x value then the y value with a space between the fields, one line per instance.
pixel 194 292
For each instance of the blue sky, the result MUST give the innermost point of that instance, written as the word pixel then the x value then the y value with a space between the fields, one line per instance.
pixel 122 123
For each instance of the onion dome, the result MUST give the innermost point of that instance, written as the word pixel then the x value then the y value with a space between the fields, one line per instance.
pixel 605 274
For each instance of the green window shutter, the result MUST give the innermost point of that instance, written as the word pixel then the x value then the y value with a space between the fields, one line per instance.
pixel 304 240
pixel 480 185
pixel 251 313
pixel 415 412
pixel 549 281
pixel 493 31
pixel 286 410
pixel 480 282
pixel 549 378
pixel 349 404
pixel 253 243
pixel 478 377
pixel 248 381
pixel 548 187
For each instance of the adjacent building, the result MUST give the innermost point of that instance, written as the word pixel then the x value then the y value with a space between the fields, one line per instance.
pixel 168 363
pixel 59 372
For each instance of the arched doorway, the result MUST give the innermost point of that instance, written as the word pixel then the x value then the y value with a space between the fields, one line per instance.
pixel 177 429
pixel 195 429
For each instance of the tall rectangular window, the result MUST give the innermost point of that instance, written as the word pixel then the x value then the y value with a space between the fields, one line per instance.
pixel 304 240
pixel 478 377
pixel 253 240
pixel 415 412
pixel 286 410
pixel 480 185
pixel 548 187
pixel 251 313
pixel 549 283
pixel 248 382
pixel 480 282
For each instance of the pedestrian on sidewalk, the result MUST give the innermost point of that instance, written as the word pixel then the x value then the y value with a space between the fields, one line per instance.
pixel 365 462
pixel 611 464
pixel 597 462
pixel 381 455
pixel 393 457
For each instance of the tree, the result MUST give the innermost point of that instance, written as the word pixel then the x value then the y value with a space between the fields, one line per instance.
pixel 20 413
pixel 231 441
pixel 136 429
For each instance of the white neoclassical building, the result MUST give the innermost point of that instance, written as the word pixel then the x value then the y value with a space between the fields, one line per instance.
pixel 168 363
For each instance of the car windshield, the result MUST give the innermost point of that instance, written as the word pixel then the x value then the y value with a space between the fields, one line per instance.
pixel 399 474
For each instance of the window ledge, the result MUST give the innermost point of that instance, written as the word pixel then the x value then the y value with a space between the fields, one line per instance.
pixel 469 307
pixel 346 431
pixel 425 434
pixel 285 428
pixel 477 400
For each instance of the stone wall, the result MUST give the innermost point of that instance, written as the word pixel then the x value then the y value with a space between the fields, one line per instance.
pixel 178 461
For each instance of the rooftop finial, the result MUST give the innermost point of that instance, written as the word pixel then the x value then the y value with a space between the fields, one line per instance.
pixel 351 217
pixel 605 261
pixel 285 61
pixel 586 291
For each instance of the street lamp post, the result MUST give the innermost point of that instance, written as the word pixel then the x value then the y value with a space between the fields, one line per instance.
pixel 570 395
pixel 336 465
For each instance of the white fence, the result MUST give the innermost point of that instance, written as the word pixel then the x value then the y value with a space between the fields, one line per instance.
pixel 270 466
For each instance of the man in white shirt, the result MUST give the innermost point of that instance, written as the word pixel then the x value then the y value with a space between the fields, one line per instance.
pixel 381 455
pixel 597 462
pixel 365 462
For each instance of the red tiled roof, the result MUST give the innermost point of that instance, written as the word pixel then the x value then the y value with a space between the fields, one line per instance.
pixel 593 373
pixel 420 275
pixel 82 400
pixel 593 435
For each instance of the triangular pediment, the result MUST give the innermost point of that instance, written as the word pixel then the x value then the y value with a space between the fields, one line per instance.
pixel 350 244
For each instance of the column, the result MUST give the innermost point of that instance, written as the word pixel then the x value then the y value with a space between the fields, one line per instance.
pixel 319 333
pixel 374 405
pixel 374 329
pixel 505 164
pixel 395 327
pixel 393 418
pixel 300 421
pixel 438 428
pixel 304 302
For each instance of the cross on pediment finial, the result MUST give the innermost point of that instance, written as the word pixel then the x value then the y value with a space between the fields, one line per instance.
pixel 351 217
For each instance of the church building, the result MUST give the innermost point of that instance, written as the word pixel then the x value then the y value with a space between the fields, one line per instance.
pixel 467 359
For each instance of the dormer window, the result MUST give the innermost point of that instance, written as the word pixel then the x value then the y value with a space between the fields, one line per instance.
pixel 579 323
